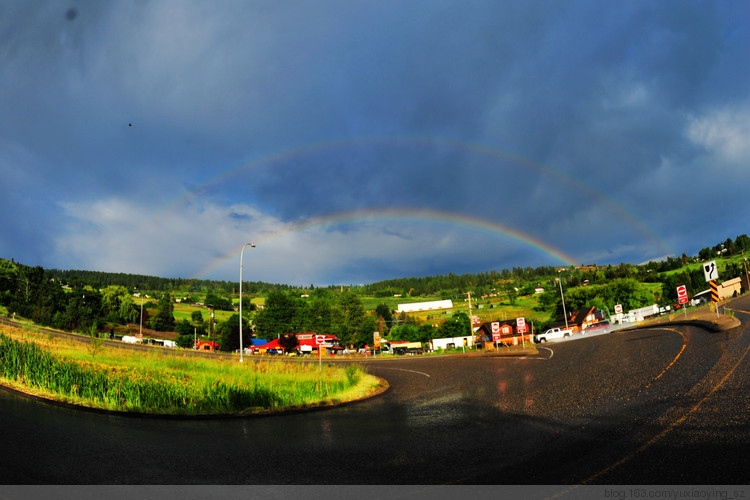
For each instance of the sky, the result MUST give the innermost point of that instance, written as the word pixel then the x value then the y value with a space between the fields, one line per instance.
pixel 353 142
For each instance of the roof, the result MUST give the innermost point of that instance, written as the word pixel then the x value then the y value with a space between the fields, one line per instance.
pixel 580 316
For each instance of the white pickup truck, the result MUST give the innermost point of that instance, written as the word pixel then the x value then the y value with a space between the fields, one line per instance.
pixel 552 334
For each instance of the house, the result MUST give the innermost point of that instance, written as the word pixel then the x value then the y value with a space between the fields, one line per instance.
pixel 585 317
pixel 207 345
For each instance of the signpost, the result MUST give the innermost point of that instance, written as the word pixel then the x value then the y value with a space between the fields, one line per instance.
pixel 682 296
pixel 319 339
pixel 711 272
pixel 521 328
pixel 495 332
pixel 618 312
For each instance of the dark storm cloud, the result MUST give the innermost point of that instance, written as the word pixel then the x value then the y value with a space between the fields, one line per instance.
pixel 546 117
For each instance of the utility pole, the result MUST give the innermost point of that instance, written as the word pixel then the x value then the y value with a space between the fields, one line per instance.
pixel 565 314
pixel 471 321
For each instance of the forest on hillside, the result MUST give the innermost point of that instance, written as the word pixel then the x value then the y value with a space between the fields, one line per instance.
pixel 92 301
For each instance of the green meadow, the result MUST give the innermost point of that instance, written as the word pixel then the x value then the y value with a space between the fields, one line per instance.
pixel 95 376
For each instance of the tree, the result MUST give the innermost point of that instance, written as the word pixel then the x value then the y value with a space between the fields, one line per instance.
pixel 229 334
pixel 456 326
pixel 366 333
pixel 406 332
pixel 289 342
pixel 164 319
pixel 511 292
pixel 118 304
pixel 196 317
pixel 217 302
pixel 281 315
pixel 184 327
pixel 384 312
pixel 351 317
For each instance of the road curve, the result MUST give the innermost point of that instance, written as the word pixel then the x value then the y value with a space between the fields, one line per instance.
pixel 664 405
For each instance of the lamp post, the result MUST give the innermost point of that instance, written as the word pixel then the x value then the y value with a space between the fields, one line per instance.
pixel 242 252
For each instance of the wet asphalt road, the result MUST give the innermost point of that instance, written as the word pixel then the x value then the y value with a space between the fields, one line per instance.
pixel 665 405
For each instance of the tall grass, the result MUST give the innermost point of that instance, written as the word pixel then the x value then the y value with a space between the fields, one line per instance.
pixel 169 385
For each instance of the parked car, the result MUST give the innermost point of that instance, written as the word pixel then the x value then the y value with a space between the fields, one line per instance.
pixel 552 334
pixel 600 327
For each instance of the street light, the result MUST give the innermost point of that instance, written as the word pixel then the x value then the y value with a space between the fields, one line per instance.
pixel 242 252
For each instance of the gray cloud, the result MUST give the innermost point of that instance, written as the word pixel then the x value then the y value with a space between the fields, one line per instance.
pixel 556 119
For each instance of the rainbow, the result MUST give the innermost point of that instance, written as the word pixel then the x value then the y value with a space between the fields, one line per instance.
pixel 398 217
pixel 625 216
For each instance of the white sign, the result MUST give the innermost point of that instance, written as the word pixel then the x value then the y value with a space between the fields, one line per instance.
pixel 710 271
pixel 495 327
pixel 618 309
pixel 320 339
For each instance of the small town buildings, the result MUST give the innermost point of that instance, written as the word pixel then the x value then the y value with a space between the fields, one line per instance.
pixel 496 333
pixel 307 345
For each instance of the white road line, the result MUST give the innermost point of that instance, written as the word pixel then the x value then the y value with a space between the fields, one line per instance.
pixel 405 370
pixel 551 352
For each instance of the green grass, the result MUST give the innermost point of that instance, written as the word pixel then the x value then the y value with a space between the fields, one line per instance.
pixel 721 264
pixel 184 311
pixel 165 384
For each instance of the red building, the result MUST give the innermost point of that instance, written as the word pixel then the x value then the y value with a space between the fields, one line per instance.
pixel 207 346
pixel 307 345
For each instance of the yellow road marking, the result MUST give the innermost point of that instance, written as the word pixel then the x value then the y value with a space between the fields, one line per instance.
pixel 672 426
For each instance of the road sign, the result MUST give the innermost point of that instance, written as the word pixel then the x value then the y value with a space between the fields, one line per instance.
pixel 710 271
pixel 521 325
pixel 320 339
pixel 618 309
pixel 714 291
pixel 682 294
pixel 495 327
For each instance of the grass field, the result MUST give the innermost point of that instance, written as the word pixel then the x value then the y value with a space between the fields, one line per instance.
pixel 158 383
pixel 184 311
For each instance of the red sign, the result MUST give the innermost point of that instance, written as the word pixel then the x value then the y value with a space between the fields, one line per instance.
pixel 521 325
pixel 495 330
pixel 319 339
pixel 682 295
pixel 618 309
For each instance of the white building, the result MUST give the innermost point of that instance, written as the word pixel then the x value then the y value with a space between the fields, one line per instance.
pixel 451 343
pixel 425 306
